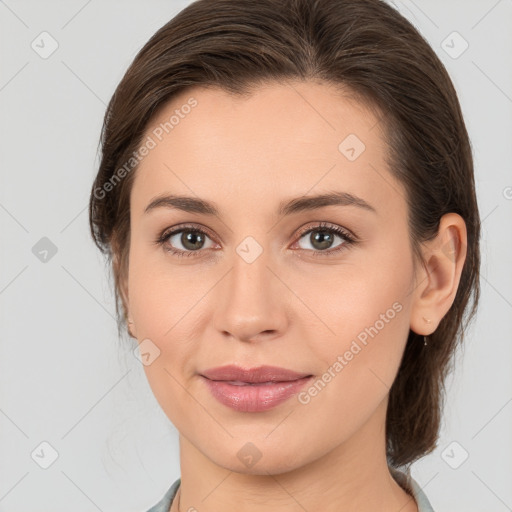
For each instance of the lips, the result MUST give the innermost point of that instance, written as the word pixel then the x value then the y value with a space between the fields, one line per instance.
pixel 253 389
pixel 239 376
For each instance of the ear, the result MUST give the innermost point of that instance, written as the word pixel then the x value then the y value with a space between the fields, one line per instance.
pixel 437 284
pixel 123 290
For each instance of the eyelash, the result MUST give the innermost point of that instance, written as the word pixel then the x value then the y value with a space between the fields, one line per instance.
pixel 323 226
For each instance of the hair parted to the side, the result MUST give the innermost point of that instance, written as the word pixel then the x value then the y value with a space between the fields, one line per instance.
pixel 367 48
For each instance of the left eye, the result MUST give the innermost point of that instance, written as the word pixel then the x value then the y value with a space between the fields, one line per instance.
pixel 321 238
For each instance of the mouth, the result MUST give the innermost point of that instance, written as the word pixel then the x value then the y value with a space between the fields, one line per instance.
pixel 239 376
pixel 256 390
pixel 240 383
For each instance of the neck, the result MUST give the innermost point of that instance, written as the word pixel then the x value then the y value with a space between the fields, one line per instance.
pixel 352 476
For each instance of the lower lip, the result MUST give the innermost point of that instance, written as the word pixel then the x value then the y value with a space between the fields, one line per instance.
pixel 254 397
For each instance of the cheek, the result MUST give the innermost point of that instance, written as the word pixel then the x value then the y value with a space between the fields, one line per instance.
pixel 162 307
pixel 369 318
pixel 364 323
pixel 159 298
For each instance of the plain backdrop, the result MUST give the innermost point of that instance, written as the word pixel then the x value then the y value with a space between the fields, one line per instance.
pixel 72 396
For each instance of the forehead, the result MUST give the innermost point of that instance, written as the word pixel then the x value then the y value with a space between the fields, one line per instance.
pixel 282 140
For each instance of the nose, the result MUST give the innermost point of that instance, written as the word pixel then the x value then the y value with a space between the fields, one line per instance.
pixel 250 302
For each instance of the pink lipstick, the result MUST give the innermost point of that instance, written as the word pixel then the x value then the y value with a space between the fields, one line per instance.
pixel 253 389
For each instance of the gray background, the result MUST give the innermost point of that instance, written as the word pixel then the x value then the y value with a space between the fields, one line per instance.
pixel 66 380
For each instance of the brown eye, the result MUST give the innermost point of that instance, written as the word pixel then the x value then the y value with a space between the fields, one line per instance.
pixel 184 241
pixel 192 240
pixel 322 237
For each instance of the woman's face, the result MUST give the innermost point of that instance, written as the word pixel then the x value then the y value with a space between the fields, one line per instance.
pixel 268 283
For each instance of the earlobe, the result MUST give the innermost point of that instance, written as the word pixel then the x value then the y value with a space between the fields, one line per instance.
pixel 438 281
pixel 123 290
pixel 131 328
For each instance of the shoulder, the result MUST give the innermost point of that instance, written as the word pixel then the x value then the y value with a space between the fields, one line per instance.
pixel 413 488
pixel 165 503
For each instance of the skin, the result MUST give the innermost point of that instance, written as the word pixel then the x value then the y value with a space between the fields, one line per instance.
pixel 287 308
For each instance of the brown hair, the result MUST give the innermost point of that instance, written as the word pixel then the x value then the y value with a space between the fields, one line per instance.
pixel 364 46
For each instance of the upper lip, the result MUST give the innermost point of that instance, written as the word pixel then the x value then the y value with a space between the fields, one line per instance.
pixel 259 374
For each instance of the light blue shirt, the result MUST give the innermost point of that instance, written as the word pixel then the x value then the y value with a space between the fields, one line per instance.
pixel 404 479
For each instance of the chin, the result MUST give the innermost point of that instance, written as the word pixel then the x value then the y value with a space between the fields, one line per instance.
pixel 258 457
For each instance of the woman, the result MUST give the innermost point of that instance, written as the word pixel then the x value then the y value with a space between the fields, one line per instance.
pixel 286 195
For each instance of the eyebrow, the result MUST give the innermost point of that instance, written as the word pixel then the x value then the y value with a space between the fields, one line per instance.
pixel 296 205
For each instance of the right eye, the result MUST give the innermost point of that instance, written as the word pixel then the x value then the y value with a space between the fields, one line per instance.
pixel 191 238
